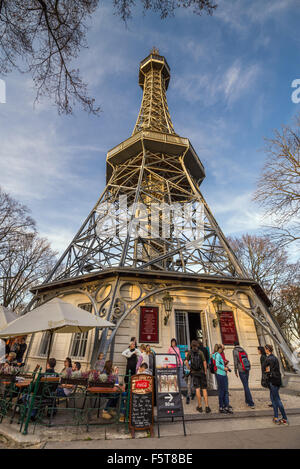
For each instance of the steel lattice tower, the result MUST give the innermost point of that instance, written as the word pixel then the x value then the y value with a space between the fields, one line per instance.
pixel 154 166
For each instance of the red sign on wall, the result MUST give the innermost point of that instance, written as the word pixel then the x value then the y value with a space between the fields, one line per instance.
pixel 228 329
pixel 149 324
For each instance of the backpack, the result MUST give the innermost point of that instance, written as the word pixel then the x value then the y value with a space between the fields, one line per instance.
pixel 196 361
pixel 212 365
pixel 243 358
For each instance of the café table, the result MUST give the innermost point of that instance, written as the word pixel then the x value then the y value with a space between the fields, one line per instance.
pixel 21 386
pixel 99 391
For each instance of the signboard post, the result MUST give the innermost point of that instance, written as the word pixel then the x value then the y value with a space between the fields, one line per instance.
pixel 168 392
pixel 149 325
pixel 141 403
pixel 228 329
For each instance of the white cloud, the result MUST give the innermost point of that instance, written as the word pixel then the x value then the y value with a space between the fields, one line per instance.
pixel 59 238
pixel 227 84
pixel 241 15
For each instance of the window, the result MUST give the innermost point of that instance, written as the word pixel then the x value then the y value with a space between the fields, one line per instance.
pixel 44 344
pixel 79 339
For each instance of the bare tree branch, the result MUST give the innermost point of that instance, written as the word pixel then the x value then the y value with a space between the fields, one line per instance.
pixel 43 37
pixel 278 188
pixel 25 259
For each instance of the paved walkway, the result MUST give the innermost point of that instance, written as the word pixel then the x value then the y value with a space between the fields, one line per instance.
pixel 242 433
pixel 200 429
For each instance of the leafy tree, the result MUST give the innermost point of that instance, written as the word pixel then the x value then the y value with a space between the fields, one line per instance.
pixel 44 36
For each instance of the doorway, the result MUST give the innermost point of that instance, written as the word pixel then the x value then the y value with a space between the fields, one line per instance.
pixel 188 328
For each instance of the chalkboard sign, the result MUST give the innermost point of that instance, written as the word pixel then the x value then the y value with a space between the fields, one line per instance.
pixel 141 402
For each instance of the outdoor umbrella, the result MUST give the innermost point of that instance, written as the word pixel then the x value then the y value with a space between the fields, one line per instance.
pixel 54 316
pixel 6 316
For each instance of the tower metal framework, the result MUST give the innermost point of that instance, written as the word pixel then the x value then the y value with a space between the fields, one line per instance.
pixel 152 169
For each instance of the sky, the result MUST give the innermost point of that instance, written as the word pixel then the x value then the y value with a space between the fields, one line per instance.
pixel 231 76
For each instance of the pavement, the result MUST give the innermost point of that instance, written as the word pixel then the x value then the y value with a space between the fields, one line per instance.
pixel 231 433
pixel 267 437
pixel 244 429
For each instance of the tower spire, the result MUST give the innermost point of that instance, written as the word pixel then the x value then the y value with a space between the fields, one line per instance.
pixel 154 77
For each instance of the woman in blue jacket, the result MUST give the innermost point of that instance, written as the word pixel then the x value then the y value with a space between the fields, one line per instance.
pixel 222 380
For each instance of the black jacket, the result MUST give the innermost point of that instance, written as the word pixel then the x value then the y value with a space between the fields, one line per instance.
pixel 274 375
pixel 264 378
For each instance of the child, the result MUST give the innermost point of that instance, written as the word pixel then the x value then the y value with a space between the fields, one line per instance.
pixel 187 377
pixel 144 369
pixel 99 365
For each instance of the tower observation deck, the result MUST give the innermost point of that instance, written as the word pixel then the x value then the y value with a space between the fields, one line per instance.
pixel 154 77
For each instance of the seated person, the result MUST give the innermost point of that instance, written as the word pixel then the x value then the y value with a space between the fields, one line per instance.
pixel 76 366
pixel 65 390
pixel 67 369
pixel 111 372
pixel 46 394
pixel 144 369
pixel 112 377
pixel 50 368
pixel 10 366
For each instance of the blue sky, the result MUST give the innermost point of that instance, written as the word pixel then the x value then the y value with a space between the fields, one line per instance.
pixel 230 86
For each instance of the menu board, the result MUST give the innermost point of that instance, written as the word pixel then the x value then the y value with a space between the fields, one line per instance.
pixel 149 324
pixel 168 397
pixel 141 402
pixel 228 329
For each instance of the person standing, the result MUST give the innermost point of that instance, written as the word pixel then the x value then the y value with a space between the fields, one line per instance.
pixel 187 377
pixel 222 380
pixel 198 367
pixel 274 382
pixel 143 358
pixel 131 354
pixel 133 339
pixel 204 350
pixel 263 357
pixel 223 355
pixel 21 350
pixel 242 369
pixel 2 351
pixel 175 350
pixel 150 358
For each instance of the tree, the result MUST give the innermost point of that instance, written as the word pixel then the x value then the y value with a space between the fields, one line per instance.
pixel 265 260
pixel 28 262
pixel 14 220
pixel 25 259
pixel 278 188
pixel 286 307
pixel 46 35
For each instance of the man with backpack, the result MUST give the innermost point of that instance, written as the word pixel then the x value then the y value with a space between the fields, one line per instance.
pixel 198 367
pixel 242 369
